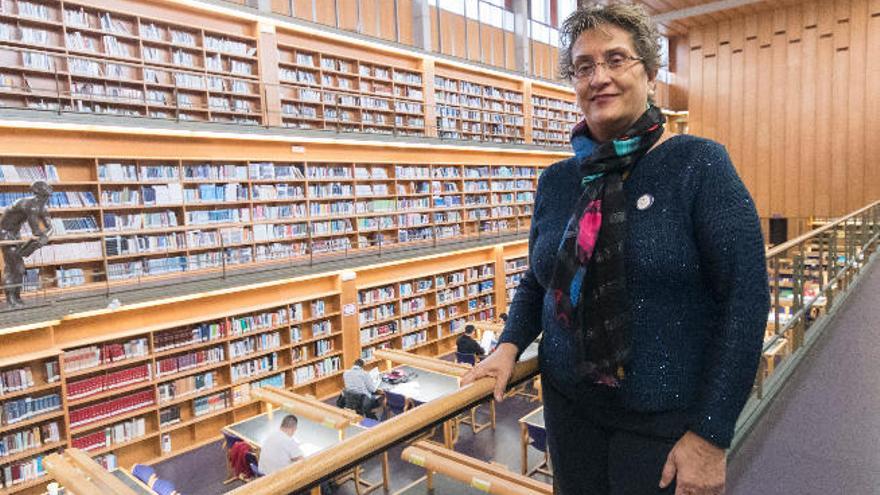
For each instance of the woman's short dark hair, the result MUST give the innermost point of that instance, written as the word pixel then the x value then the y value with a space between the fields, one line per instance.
pixel 632 18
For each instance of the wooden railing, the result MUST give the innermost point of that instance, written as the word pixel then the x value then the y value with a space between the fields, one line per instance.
pixel 357 449
pixel 809 275
pixel 831 256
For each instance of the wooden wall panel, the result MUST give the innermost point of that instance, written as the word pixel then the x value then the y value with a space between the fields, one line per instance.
pixel 840 106
pixel 808 128
pixel 405 13
pixel 777 116
pixel 695 82
pixel 793 95
pixel 855 174
pixel 872 103
pixel 747 167
pixel 737 90
pixel 765 114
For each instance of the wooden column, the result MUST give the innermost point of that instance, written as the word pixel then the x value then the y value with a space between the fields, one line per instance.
pixel 267 52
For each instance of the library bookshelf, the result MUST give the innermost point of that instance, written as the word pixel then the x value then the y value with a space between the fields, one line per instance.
pixel 148 59
pixel 514 268
pixel 86 58
pixel 141 383
pixel 119 221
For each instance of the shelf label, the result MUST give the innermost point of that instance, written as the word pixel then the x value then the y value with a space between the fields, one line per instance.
pixel 349 309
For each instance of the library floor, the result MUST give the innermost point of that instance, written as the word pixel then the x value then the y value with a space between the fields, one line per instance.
pixel 819 437
pixel 821 434
pixel 201 471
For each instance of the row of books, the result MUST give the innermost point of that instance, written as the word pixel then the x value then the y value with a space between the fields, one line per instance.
pixel 115 434
pixel 22 409
pixel 110 408
pixel 28 173
pixel 317 370
pixel 254 367
pixel 23 471
pixel 252 323
pixel 411 340
pixel 191 360
pixel 414 322
pixel 29 439
pixel 95 355
pixel 16 380
pixel 206 405
pixel 189 385
pixel 381 312
pixel 371 333
pixel 143 244
pixel 250 345
pixel 180 337
pixel 93 385
pixel 67 252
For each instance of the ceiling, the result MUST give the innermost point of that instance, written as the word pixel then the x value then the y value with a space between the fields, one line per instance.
pixel 720 10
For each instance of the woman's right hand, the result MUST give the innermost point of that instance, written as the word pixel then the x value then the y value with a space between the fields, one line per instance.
pixel 499 365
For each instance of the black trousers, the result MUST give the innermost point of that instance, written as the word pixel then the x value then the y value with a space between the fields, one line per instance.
pixel 599 448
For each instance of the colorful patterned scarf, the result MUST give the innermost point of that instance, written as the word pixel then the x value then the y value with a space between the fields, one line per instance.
pixel 590 256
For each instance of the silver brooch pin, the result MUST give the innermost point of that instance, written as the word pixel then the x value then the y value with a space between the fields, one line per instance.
pixel 644 202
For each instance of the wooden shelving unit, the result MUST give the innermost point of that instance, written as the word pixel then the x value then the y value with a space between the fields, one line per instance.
pixel 32 421
pixel 552 120
pixel 74 57
pixel 514 267
pixel 479 112
pixel 324 91
pixel 123 220
pixel 422 314
pixel 147 383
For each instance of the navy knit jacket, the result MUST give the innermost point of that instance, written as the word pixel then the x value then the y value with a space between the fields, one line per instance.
pixel 696 277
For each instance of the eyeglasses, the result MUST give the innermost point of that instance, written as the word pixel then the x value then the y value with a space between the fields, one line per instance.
pixel 615 64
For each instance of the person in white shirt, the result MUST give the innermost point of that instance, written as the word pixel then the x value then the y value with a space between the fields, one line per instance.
pixel 280 449
pixel 358 381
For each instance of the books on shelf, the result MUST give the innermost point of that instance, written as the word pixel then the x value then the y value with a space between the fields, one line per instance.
pixel 109 352
pixel 24 408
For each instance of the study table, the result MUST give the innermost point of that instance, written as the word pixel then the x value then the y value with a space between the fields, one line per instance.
pixel 450 472
pixel 319 427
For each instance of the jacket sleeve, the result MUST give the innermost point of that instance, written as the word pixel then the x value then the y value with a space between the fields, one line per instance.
pixel 732 257
pixel 524 317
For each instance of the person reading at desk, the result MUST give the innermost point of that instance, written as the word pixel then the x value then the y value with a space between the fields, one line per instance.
pixel 466 343
pixel 358 382
pixel 280 449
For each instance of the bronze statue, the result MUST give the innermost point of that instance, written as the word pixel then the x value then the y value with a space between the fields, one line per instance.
pixel 32 210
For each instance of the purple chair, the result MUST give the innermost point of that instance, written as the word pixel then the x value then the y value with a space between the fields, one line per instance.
pixel 144 473
pixel 538 440
pixel 466 358
pixel 164 487
pixel 396 403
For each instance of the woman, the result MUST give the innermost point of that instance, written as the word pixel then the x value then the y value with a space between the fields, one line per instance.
pixel 647 276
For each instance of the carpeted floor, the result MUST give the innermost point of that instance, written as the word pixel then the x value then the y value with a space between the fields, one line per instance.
pixel 201 471
pixel 821 435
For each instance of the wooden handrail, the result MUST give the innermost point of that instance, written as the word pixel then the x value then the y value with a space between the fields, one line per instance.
pixel 490 477
pixel 423 362
pixel 781 248
pixel 80 474
pixel 308 407
pixel 356 449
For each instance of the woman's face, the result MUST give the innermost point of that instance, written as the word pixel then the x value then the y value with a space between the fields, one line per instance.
pixel 611 100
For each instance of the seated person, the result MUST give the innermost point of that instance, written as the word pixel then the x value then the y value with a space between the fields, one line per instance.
pixel 280 449
pixel 503 318
pixel 466 343
pixel 359 381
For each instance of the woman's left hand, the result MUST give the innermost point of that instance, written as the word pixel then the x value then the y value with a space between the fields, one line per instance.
pixel 698 467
